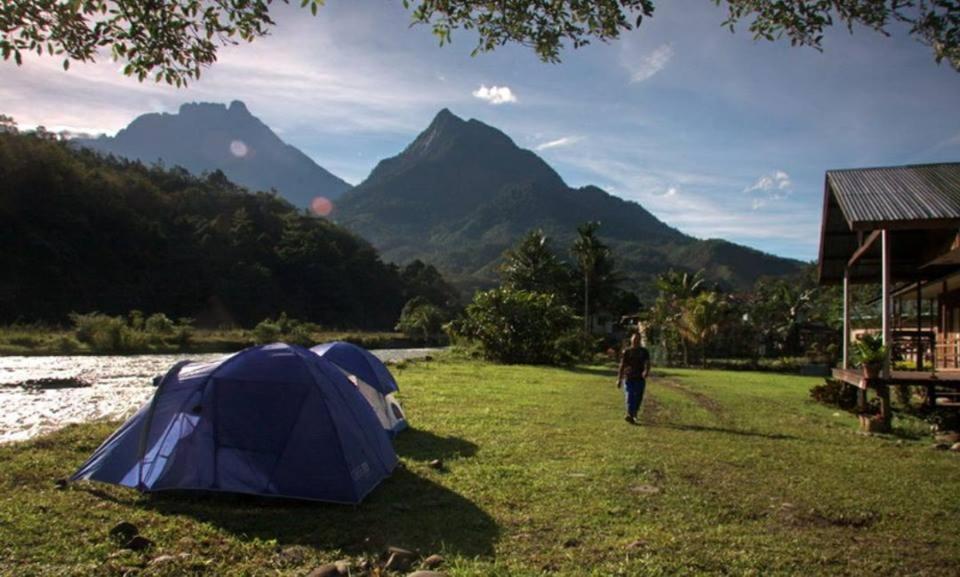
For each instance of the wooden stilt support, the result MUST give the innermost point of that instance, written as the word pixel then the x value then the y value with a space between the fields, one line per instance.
pixel 883 391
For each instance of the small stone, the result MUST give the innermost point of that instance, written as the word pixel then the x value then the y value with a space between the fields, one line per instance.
pixel 427 574
pixel 571 543
pixel 645 489
pixel 160 560
pixel 433 561
pixel 955 447
pixel 138 543
pixel 328 570
pixel 124 531
pixel 436 464
pixel 343 566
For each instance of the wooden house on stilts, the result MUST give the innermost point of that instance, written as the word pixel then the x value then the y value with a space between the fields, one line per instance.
pixel 899 227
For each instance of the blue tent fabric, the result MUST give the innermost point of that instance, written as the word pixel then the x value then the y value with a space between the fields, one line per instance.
pixel 372 379
pixel 274 420
pixel 361 362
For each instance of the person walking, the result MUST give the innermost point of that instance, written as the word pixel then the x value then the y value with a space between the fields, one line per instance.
pixel 632 376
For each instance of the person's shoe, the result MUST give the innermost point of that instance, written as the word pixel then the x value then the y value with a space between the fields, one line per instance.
pixel 630 420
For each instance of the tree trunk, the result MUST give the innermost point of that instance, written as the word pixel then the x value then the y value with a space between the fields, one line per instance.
pixel 586 304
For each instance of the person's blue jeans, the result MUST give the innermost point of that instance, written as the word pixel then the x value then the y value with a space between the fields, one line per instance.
pixel 634 389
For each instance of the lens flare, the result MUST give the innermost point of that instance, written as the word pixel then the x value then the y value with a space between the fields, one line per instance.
pixel 321 206
pixel 238 148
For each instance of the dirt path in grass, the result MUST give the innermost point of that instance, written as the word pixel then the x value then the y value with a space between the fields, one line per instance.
pixel 707 403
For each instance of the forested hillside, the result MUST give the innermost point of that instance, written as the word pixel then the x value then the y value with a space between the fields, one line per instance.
pixel 82 233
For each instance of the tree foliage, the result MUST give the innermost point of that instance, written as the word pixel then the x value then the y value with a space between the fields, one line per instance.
pixel 532 265
pixel 519 326
pixel 421 319
pixel 85 233
pixel 172 41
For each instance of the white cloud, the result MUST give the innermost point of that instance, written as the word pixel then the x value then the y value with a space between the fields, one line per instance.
pixel 495 94
pixel 769 187
pixel 644 67
pixel 565 141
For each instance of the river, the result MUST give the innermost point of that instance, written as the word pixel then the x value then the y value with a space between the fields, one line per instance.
pixel 119 385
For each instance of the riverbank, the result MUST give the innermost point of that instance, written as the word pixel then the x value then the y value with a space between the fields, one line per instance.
pixel 40 394
pixel 51 341
pixel 729 474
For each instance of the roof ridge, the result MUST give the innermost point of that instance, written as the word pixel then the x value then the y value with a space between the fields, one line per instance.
pixel 897 166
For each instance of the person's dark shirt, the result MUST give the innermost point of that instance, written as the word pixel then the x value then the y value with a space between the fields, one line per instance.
pixel 635 361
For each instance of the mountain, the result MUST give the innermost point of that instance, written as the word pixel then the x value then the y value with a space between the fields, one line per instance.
pixel 203 137
pixel 462 192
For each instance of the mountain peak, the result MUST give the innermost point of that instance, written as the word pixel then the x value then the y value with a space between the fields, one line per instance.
pixel 238 107
pixel 206 136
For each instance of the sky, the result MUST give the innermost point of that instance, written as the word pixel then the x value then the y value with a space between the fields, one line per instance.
pixel 716 134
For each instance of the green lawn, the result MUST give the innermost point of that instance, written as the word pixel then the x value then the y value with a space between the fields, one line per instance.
pixel 731 472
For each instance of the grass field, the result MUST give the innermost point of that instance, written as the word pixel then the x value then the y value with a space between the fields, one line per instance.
pixel 731 473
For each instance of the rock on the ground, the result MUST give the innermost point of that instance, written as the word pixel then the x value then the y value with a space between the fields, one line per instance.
pixel 328 570
pixel 571 543
pixel 124 531
pixel 161 559
pixel 138 543
pixel 436 464
pixel 433 561
pixel 955 447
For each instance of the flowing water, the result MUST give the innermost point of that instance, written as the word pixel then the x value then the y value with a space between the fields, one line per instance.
pixel 119 386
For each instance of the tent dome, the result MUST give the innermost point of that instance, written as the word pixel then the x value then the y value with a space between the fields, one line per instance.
pixel 273 420
pixel 372 379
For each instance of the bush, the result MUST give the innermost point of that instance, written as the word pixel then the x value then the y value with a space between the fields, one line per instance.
pixel 518 326
pixel 102 332
pixel 420 319
pixel 159 324
pixel 286 329
pixel 836 394
pixel 66 344
pixel 266 331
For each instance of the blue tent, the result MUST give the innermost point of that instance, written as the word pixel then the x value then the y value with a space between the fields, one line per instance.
pixel 273 420
pixel 372 379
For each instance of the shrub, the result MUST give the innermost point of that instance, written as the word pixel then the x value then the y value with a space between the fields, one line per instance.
pixel 159 324
pixel 66 344
pixel 836 394
pixel 421 319
pixel 266 331
pixel 284 328
pixel 183 332
pixel 518 326
pixel 102 332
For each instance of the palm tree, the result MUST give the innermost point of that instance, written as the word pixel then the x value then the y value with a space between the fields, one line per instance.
pixel 589 252
pixel 676 289
pixel 699 320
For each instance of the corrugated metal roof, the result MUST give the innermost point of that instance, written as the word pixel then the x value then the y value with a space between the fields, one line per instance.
pixel 897 193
